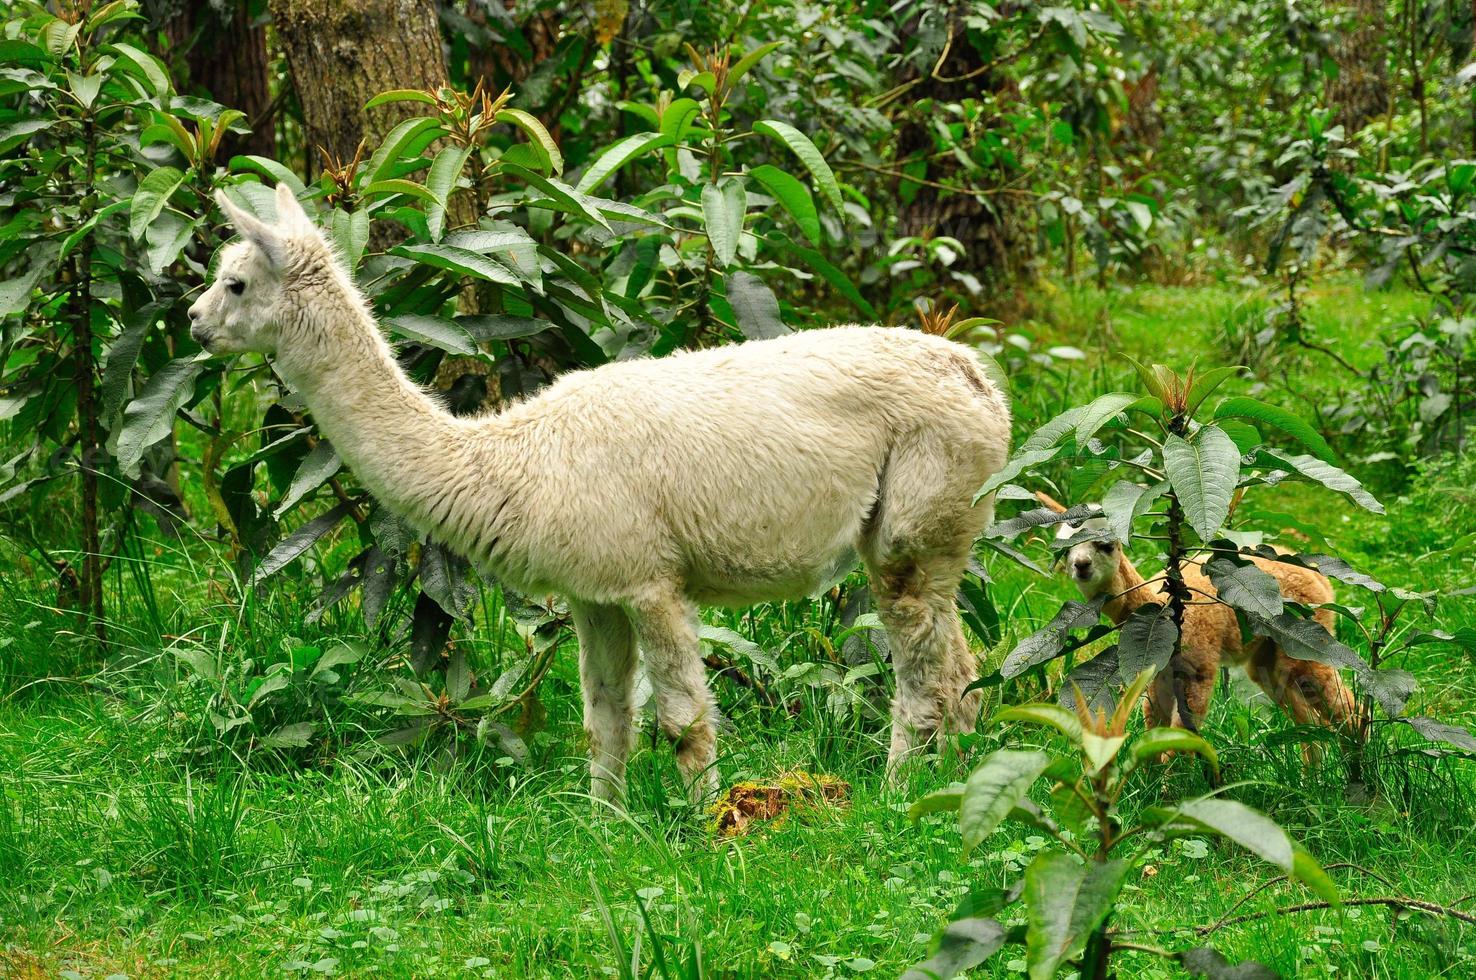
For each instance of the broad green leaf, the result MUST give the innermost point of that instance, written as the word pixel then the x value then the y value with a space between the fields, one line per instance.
pixel 1102 410
pixel 316 468
pixel 1141 213
pixel 1147 640
pixel 1277 418
pixel 1306 870
pixel 530 125
pixel 400 95
pixel 435 331
pixel 799 144
pixel 1314 469
pixel 1065 901
pixel 704 80
pixel 1017 464
pixel 299 541
pixel 1124 502
pixel 1245 587
pixel 441 182
pixel 1249 828
pixel 815 262
pixel 350 231
pixel 754 306
pixel 1204 385
pixel 460 260
pixel 152 195
pixel 794 196
pixel 16 133
pixel 1098 751
pixel 1307 639
pixel 271 168
pixel 338 656
pixel 946 800
pixel 84 88
pixel 294 736
pixel 1051 715
pixel 675 120
pixel 1050 640
pixel 146 68
pixel 1437 731
pixel 723 208
pixel 488 327
pixel 1204 473
pixel 994 789
pixel 1049 434
pixel 401 144
pixel 1156 741
pixel 617 156
pixel 560 195
pixel 398 185
pixel 123 354
pixel 742 66
pixel 166 237
pixel 150 416
pixel 961 946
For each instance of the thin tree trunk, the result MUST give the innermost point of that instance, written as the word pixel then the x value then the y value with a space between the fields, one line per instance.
pixel 995 244
pixel 226 57
pixel 86 380
pixel 1361 90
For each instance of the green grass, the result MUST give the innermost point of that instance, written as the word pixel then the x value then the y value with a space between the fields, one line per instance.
pixel 131 843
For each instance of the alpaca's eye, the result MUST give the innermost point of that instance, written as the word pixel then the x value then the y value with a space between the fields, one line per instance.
pixel 236 286
pixel 1105 547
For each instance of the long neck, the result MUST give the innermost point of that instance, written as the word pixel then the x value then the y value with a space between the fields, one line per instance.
pixel 413 455
pixel 1127 591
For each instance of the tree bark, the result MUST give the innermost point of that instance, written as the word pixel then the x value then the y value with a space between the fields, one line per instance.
pixel 225 57
pixel 1360 93
pixel 342 53
pixel 994 239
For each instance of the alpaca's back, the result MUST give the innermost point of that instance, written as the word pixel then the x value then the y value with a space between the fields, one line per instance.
pixel 748 471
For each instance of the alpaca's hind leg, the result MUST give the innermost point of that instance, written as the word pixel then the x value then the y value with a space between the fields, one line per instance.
pixel 667 627
pixel 607 661
pixel 930 656
pixel 916 546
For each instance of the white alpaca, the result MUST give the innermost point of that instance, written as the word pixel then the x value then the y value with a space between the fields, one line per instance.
pixel 639 489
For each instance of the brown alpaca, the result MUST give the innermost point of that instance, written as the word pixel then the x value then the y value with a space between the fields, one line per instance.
pixel 1311 692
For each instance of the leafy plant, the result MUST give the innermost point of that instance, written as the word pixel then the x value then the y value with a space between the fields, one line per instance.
pixel 1074 895
pixel 1196 465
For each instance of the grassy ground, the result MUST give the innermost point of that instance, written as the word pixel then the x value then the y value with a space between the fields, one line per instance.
pixel 125 850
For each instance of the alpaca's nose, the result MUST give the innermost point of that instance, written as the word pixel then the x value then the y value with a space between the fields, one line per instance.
pixel 1083 567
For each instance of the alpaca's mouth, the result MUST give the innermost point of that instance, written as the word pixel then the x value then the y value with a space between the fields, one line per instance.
pixel 202 337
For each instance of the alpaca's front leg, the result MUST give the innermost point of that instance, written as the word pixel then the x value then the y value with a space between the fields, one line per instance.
pixel 607 661
pixel 667 627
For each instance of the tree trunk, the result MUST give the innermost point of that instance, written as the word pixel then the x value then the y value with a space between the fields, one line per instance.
pixel 995 242
pixel 342 53
pixel 1360 93
pixel 225 56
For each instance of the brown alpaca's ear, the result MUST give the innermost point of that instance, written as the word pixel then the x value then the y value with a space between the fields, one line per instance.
pixel 254 230
pixel 1050 501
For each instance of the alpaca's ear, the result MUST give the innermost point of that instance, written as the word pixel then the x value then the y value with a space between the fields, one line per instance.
pixel 290 214
pixel 255 231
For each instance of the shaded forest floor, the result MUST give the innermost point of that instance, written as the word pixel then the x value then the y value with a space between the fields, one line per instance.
pixel 122 854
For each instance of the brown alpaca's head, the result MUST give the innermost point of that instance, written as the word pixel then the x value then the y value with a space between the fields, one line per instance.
pixel 1092 560
pixel 244 307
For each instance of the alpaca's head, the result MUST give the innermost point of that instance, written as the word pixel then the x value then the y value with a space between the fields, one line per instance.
pixel 1092 562
pixel 244 307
